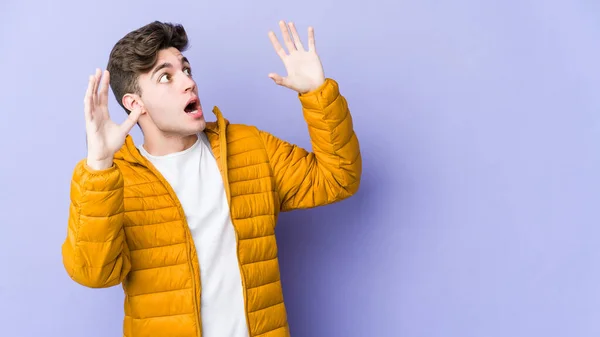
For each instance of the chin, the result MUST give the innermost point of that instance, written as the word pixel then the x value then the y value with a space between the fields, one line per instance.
pixel 197 127
pixel 201 125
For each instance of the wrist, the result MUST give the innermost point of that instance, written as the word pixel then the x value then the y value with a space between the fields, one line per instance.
pixel 99 165
pixel 315 88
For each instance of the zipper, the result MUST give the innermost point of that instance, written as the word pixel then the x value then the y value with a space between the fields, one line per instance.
pixel 188 236
pixel 225 170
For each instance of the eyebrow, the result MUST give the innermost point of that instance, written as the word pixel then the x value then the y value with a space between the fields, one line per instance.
pixel 164 65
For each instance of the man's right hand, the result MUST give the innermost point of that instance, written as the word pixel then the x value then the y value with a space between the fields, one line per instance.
pixel 104 137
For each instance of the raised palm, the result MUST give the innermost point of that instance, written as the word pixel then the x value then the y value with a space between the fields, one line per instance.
pixel 104 136
pixel 304 68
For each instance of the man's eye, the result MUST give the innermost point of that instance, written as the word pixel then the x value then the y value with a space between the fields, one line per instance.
pixel 164 78
pixel 188 71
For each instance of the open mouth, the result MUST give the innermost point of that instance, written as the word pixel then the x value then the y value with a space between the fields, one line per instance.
pixel 192 106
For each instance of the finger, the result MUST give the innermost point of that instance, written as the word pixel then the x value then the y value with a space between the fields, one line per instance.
pixel 311 39
pixel 87 99
pixel 131 120
pixel 95 89
pixel 286 37
pixel 103 97
pixel 276 45
pixel 296 37
pixel 278 79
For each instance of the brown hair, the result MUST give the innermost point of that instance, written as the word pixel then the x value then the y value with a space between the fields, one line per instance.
pixel 136 54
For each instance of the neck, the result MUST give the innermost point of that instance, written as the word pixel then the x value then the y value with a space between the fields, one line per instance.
pixel 161 145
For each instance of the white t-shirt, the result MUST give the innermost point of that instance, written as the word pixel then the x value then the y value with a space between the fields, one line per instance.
pixel 194 176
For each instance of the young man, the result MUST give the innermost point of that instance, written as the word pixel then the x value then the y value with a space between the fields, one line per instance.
pixel 186 221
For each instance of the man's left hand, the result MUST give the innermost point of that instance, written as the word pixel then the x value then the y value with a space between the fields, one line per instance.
pixel 304 68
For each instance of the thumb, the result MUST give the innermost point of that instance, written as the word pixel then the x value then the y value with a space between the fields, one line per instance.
pixel 278 79
pixel 131 120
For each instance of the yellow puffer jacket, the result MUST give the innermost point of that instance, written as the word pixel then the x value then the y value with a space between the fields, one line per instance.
pixel 127 226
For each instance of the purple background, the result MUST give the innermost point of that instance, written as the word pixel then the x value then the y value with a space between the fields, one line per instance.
pixel 478 121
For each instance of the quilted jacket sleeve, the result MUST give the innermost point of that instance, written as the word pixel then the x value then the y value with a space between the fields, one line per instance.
pixel 332 171
pixel 95 252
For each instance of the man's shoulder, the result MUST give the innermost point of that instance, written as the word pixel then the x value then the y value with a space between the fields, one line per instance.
pixel 138 176
pixel 241 138
pixel 234 130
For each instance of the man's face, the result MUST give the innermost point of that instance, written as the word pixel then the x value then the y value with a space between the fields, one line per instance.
pixel 170 96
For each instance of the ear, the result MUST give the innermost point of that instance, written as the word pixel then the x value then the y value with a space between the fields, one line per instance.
pixel 132 102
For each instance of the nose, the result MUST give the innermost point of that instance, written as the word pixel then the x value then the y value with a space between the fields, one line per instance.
pixel 189 83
